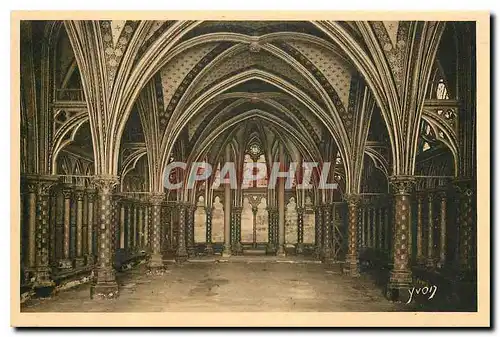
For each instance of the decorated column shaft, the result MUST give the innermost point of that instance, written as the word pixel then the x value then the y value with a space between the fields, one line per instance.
pixel 430 233
pixel 319 230
pixel 208 239
pixel 79 260
pixel 420 230
pixel 66 262
pixel 442 230
pixel 237 248
pixel 104 285
pixel 300 230
pixel 181 254
pixel 156 200
pixel 400 277
pixel 91 195
pixel 327 233
pixel 271 245
pixel 466 225
pixel 190 209
pixel 351 266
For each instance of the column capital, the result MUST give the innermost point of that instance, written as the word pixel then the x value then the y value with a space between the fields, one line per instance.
pixel 300 210
pixel 237 209
pixel 156 198
pixel 352 199
pixel 105 183
pixel 79 193
pixel 402 185
pixel 463 186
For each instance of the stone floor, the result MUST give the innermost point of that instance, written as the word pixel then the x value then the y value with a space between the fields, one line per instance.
pixel 228 286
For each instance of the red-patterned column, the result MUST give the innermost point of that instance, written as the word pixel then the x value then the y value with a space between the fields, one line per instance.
pixel 351 265
pixel 420 230
pixel 156 259
pixel 104 285
pixel 400 277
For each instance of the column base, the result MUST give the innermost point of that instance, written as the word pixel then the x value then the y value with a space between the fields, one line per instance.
pixel 399 285
pixel 89 260
pixel 351 268
pixel 209 250
pixel 191 252
pixel 430 263
pixel 104 290
pixel 281 251
pixel 181 255
pixel 155 262
pixel 299 249
pixel 237 249
pixel 65 264
pixel 79 262
pixel 43 290
pixel 270 249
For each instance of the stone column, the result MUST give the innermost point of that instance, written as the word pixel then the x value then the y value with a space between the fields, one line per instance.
pixel 420 230
pixel 271 237
pixel 237 248
pixel 134 226
pixel 380 224
pixel 209 247
pixel 442 231
pixel 466 218
pixel 79 259
pixel 351 265
pixel 368 227
pixel 122 226
pixel 299 249
pixel 319 230
pixel 227 221
pixel 373 223
pixel 400 277
pixel 129 218
pixel 181 254
pixel 140 224
pixel 156 259
pixel 91 194
pixel 32 187
pixel 66 262
pixel 104 285
pixel 430 233
pixel 38 212
pixel 146 228
pixel 190 209
pixel 363 227
pixel 281 217
pixel 387 230
pixel 327 234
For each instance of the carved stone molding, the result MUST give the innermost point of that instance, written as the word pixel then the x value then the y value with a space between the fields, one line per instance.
pixel 402 185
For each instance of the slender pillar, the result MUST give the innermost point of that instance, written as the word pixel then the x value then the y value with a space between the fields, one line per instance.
pixel 380 225
pixel 373 223
pixel 104 285
pixel 368 227
pixel 442 231
pixel 420 230
pixel 146 228
pixel 319 230
pixel 122 226
pixel 129 218
pixel 299 249
pixel 327 234
pixel 363 227
pixel 281 217
pixel 134 226
pixel 271 237
pixel 387 230
pixel 91 194
pixel 227 212
pixel 66 262
pixel 351 265
pixel 31 242
pixel 181 254
pixel 190 209
pixel 156 260
pixel 400 278
pixel 209 247
pixel 430 233
pixel 467 220
pixel 237 247
pixel 79 259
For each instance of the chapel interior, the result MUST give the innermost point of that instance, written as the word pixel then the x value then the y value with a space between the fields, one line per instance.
pixel 106 105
